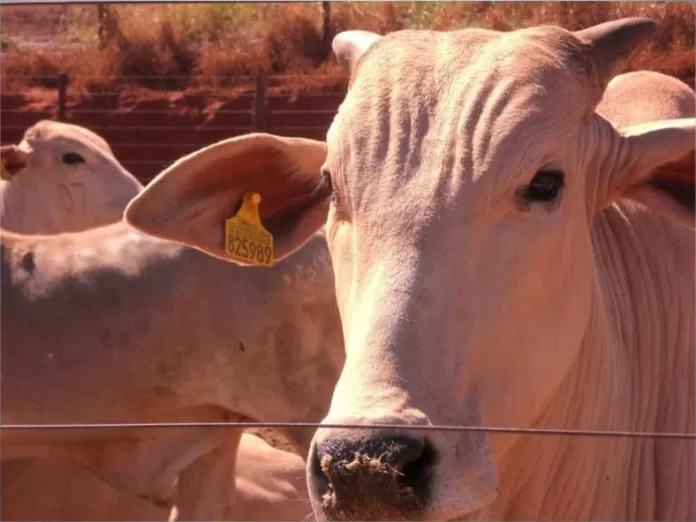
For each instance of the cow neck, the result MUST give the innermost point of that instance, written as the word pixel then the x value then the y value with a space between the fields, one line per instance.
pixel 631 372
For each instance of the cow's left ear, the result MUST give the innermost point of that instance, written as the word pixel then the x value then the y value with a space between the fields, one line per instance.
pixel 190 201
pixel 14 160
pixel 350 46
pixel 657 168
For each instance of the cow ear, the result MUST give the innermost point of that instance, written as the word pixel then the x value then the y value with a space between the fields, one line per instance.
pixel 657 169
pixel 14 160
pixel 349 46
pixel 190 201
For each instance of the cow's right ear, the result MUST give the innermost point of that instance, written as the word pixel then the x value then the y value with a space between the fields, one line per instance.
pixel 190 201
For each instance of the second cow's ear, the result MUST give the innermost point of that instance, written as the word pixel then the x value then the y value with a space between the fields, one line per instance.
pixel 349 46
pixel 190 201
pixel 657 168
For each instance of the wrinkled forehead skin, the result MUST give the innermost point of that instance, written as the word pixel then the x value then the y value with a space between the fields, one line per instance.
pixel 421 96
pixel 438 127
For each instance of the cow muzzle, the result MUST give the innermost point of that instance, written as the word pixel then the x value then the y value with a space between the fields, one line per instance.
pixel 370 475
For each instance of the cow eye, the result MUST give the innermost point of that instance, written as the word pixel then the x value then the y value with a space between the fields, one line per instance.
pixel 544 187
pixel 326 175
pixel 72 158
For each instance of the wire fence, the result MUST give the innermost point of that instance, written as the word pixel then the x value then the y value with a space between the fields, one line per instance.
pixel 146 140
pixel 150 130
pixel 315 425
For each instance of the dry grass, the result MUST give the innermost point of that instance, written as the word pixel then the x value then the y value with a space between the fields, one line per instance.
pixel 184 46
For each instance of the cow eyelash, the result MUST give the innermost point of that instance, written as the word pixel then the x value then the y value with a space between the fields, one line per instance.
pixel 72 158
pixel 545 187
pixel 326 174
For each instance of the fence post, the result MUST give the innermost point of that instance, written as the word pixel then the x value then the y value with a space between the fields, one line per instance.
pixel 101 21
pixel 259 109
pixel 326 27
pixel 62 96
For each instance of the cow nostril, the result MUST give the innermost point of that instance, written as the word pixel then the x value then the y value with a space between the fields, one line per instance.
pixel 415 472
pixel 336 463
pixel 354 475
pixel 401 452
pixel 319 479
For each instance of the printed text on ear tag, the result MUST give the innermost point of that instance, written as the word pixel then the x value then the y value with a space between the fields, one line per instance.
pixel 245 238
pixel 5 173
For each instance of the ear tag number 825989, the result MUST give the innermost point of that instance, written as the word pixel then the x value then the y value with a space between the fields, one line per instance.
pixel 246 239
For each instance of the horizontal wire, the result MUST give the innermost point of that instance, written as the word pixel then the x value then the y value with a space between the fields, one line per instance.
pixel 136 111
pixel 124 111
pixel 153 94
pixel 148 162
pixel 177 146
pixel 316 425
pixel 182 128
pixel 186 128
pixel 240 77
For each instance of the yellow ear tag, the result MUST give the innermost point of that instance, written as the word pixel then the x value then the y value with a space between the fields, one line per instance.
pixel 5 173
pixel 245 238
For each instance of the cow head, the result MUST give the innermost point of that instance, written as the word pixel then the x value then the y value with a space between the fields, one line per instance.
pixel 462 173
pixel 63 178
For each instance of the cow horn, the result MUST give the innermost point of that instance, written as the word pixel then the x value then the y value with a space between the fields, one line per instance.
pixel 615 42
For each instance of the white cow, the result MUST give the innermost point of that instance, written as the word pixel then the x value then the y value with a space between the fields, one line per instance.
pixel 504 256
pixel 63 178
pixel 69 165
pixel 109 325
pixel 58 489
